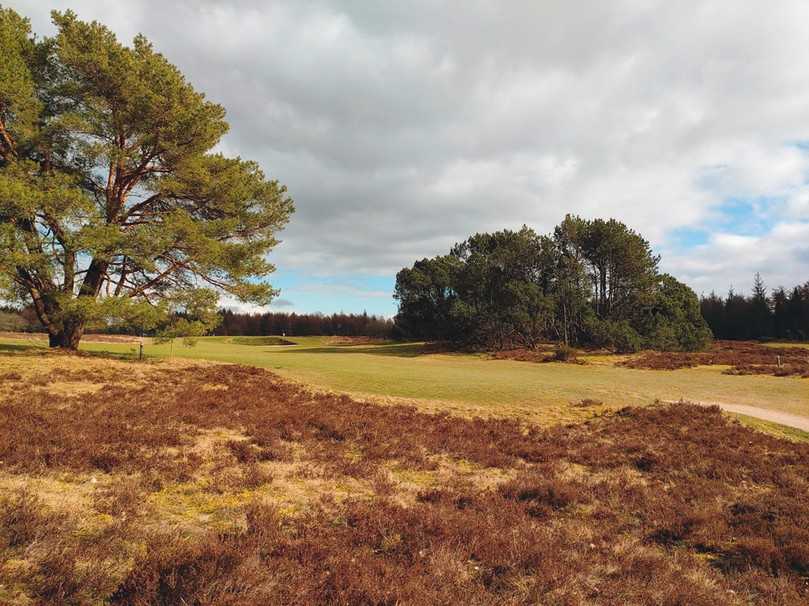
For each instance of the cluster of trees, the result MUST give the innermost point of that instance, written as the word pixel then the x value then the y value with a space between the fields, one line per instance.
pixel 782 314
pixel 114 205
pixel 292 324
pixel 590 282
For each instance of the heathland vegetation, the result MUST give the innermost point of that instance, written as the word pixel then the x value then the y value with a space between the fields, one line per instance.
pixel 590 282
pixel 176 484
pixel 264 468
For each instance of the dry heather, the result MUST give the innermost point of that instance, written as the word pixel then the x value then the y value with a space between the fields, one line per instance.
pixel 225 485
pixel 544 353
pixel 743 357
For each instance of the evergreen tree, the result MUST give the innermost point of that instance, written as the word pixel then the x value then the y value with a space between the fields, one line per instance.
pixel 798 312
pixel 783 315
pixel 737 315
pixel 713 310
pixel 780 323
pixel 112 204
pixel 761 321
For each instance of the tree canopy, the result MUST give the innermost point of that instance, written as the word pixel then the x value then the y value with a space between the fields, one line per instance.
pixel 113 203
pixel 590 282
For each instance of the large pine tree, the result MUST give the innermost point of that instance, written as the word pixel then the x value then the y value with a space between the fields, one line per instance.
pixel 112 204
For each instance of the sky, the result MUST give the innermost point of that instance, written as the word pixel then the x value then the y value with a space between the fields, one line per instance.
pixel 402 128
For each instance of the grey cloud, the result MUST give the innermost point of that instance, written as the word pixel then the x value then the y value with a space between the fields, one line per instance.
pixel 403 127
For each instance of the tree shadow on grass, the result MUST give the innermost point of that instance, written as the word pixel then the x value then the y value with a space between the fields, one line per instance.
pixel 30 349
pixel 21 348
pixel 126 356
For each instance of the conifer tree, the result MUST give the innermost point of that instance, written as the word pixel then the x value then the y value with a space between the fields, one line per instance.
pixel 113 205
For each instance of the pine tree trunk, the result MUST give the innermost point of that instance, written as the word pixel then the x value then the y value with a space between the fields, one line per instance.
pixel 68 337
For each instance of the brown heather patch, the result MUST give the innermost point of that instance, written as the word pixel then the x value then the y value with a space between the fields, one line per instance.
pixel 743 357
pixel 259 491
pixel 541 353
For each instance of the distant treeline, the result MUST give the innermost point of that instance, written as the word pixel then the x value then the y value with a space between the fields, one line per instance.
pixel 240 324
pixel 13 319
pixel 298 325
pixel 782 314
pixel 589 282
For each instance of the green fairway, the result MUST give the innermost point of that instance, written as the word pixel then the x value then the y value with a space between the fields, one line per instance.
pixel 473 384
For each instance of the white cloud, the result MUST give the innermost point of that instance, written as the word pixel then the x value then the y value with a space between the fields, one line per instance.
pixel 403 127
pixel 798 203
pixel 781 256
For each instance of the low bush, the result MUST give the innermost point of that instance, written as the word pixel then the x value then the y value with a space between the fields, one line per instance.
pixel 564 353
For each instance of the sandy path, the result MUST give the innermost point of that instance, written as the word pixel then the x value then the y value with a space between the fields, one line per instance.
pixel 774 416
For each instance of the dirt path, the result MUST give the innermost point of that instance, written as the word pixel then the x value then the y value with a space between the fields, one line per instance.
pixel 782 418
pixel 773 416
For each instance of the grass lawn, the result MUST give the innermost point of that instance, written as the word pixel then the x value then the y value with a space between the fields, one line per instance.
pixel 472 384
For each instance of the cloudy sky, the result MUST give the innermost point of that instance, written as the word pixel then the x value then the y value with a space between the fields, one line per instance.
pixel 403 127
